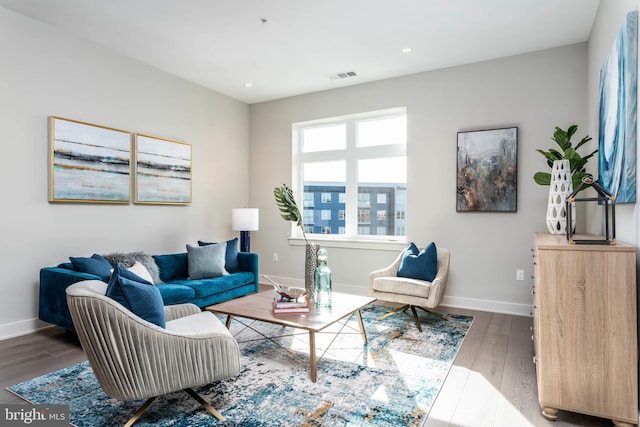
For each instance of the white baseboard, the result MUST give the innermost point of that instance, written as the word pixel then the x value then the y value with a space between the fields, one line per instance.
pixel 22 327
pixel 492 306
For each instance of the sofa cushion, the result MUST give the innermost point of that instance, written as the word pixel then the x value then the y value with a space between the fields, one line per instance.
pixel 231 254
pixel 129 259
pixel 210 286
pixel 172 266
pixel 175 293
pixel 206 261
pixel 142 299
pixel 95 265
pixel 420 265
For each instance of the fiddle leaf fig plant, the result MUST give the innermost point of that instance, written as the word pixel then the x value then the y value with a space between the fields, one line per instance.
pixel 577 163
pixel 288 207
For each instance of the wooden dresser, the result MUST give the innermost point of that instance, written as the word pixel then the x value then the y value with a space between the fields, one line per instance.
pixel 584 328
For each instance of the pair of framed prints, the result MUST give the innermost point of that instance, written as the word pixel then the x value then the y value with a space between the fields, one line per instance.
pixel 91 163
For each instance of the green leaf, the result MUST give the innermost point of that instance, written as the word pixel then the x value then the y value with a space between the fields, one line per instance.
pixel 542 178
pixel 584 141
pixel 288 207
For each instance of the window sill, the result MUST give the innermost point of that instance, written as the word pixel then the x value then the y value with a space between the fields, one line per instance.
pixel 374 245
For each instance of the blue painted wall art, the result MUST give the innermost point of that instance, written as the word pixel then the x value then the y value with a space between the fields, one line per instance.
pixel 618 114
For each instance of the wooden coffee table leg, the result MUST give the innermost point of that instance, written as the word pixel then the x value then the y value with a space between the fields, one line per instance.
pixel 228 322
pixel 361 323
pixel 312 355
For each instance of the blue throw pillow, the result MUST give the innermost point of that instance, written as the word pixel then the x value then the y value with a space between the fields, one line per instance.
pixel 140 297
pixel 421 265
pixel 96 265
pixel 231 255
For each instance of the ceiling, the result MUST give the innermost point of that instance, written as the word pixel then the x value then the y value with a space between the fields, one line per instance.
pixel 291 47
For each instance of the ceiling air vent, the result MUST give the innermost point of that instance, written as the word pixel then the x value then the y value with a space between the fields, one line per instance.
pixel 342 75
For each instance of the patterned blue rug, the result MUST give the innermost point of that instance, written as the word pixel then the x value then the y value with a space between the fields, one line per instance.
pixel 391 381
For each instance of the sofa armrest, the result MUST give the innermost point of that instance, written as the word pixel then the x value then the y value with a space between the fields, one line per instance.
pixel 177 311
pixel 248 261
pixel 52 305
pixel 388 271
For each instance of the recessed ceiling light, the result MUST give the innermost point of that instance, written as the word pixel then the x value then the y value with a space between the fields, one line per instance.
pixel 406 50
pixel 248 84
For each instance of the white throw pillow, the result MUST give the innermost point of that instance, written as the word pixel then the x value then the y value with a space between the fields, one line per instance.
pixel 141 271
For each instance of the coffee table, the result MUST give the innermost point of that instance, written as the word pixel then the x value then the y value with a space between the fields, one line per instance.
pixel 259 307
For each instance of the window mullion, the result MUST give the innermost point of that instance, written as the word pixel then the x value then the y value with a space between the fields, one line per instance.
pixel 351 190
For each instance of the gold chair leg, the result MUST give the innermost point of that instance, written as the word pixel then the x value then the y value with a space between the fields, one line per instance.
pixel 391 313
pixel 415 317
pixel 415 314
pixel 435 313
pixel 140 411
pixel 206 404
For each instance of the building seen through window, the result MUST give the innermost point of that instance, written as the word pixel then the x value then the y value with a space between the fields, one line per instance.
pixel 325 215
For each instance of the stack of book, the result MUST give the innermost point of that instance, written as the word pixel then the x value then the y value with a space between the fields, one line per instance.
pixel 287 305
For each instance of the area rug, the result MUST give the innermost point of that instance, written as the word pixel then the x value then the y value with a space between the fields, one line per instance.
pixel 390 381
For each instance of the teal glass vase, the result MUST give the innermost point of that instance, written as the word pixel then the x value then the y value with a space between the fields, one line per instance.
pixel 322 281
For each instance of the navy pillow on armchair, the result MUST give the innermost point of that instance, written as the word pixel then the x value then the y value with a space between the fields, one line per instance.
pixel 421 265
pixel 140 297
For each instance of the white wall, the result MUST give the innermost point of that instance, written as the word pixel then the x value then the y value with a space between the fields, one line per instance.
pixel 609 19
pixel 45 72
pixel 534 92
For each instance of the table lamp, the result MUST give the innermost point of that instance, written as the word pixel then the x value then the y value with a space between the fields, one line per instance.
pixel 245 220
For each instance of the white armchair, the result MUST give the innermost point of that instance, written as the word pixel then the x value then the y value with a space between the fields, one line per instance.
pixel 384 284
pixel 134 359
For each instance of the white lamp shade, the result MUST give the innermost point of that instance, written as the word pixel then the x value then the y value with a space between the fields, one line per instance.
pixel 245 219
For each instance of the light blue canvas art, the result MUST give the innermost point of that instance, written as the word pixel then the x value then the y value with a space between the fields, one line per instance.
pixel 89 163
pixel 618 114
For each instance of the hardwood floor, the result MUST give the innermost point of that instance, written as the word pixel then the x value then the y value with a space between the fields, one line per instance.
pixel 492 382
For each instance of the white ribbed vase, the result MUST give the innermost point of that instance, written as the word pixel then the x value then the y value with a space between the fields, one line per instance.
pixel 561 186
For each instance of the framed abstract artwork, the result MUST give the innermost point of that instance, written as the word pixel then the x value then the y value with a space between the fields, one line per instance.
pixel 487 176
pixel 88 163
pixel 618 114
pixel 163 171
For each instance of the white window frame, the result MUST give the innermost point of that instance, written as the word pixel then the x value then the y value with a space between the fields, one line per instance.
pixel 351 155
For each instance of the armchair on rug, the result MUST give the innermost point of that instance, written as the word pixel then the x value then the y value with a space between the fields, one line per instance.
pixel 416 278
pixel 134 358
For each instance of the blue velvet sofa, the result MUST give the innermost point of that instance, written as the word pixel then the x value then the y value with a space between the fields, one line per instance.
pixel 175 288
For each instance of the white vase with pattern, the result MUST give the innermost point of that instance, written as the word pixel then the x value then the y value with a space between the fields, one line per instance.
pixel 561 186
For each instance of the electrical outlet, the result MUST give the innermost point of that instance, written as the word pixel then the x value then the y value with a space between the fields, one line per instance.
pixel 519 274
pixel 275 257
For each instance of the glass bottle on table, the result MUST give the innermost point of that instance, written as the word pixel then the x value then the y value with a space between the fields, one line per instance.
pixel 322 280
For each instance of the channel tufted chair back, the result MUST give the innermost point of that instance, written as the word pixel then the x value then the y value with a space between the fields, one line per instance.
pixel 134 359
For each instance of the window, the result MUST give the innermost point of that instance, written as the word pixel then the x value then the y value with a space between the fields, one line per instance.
pixel 308 200
pixel 364 200
pixel 361 157
pixel 364 216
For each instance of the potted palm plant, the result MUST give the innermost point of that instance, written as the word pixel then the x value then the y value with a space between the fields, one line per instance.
pixel 289 211
pixel 568 168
